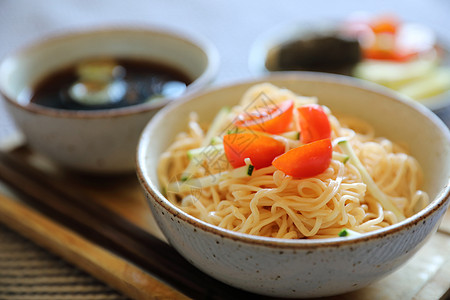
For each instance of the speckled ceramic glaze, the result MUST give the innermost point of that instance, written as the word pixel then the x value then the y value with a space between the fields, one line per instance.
pixel 103 140
pixel 304 268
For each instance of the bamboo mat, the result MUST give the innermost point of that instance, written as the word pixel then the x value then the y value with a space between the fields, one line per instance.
pixel 29 272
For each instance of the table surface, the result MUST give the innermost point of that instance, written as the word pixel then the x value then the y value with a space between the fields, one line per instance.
pixel 231 25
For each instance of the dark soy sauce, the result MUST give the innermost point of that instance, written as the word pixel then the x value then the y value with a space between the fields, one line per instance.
pixel 139 81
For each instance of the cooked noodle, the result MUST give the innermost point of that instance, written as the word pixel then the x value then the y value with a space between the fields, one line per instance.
pixel 270 203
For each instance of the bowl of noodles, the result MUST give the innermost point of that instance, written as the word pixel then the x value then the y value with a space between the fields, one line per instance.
pixel 296 185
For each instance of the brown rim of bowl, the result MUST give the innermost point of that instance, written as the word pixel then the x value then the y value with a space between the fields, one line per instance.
pixel 203 80
pixel 441 200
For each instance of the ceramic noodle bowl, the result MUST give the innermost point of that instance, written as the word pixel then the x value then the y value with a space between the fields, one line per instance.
pixel 102 140
pixel 301 267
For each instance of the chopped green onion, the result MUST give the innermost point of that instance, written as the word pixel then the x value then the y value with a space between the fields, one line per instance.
pixel 348 233
pixel 250 170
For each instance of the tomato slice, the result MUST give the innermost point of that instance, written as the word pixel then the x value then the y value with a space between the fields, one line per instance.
pixel 307 160
pixel 385 37
pixel 386 46
pixel 394 55
pixel 272 118
pixel 260 149
pixel 390 39
pixel 385 23
pixel 314 123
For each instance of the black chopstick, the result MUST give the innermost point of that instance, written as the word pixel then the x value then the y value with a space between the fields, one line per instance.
pixel 72 208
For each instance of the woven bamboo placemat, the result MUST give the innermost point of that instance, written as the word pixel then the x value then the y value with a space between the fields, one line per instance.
pixel 29 272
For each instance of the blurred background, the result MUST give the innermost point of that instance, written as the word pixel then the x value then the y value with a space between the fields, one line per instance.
pixel 233 26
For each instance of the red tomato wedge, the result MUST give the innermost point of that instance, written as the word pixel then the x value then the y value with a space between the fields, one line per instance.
pixel 271 119
pixel 260 149
pixel 307 160
pixel 314 123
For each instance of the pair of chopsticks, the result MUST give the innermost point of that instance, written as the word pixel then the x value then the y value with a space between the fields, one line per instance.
pixel 68 206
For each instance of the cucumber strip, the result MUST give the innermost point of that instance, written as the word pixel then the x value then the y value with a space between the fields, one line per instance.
pixel 212 132
pixel 394 74
pixel 210 149
pixel 348 233
pixel 433 84
pixel 367 179
pixel 210 180
pixel 292 135
pixel 216 140
pixel 193 164
pixel 343 158
pixel 216 126
pixel 240 172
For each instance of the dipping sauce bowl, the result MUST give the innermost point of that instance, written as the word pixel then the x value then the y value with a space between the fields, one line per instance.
pixel 101 140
